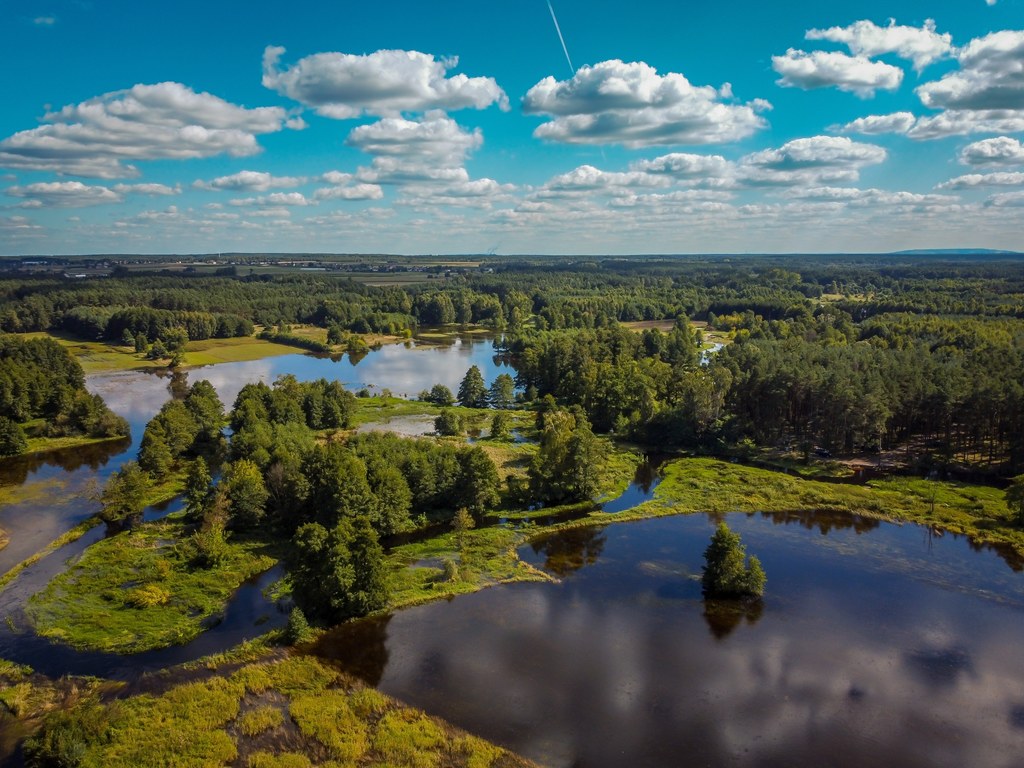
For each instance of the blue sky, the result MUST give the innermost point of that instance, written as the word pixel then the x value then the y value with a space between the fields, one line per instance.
pixel 460 127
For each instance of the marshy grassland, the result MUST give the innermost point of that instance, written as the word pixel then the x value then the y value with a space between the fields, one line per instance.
pixel 139 590
pixel 294 712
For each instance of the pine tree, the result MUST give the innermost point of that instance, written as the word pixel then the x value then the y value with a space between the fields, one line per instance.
pixel 472 390
pixel 726 573
pixel 198 488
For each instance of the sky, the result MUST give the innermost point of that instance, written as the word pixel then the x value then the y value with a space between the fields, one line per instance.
pixel 487 127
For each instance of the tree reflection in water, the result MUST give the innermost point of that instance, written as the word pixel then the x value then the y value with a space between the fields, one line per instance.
pixel 723 616
pixel 568 551
pixel 360 646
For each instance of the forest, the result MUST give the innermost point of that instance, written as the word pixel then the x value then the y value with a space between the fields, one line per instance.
pixel 841 355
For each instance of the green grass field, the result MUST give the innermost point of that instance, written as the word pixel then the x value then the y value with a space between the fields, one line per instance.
pixel 101 357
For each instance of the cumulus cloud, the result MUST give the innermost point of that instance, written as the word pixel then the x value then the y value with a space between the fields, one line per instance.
pixel 824 69
pixel 809 161
pixel 250 181
pixel 856 197
pixel 97 138
pixel 962 122
pixel 998 151
pixel 955 122
pixel 351 192
pixel 921 45
pixel 436 137
pixel 44 21
pixel 972 180
pixel 615 102
pixel 385 83
pixel 146 189
pixel 685 166
pixel 991 76
pixel 391 170
pixel 475 193
pixel 428 150
pixel 1006 200
pixel 63 194
pixel 275 199
pixel 587 178
pixel 897 122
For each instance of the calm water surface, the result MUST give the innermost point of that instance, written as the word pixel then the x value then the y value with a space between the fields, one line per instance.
pixel 876 645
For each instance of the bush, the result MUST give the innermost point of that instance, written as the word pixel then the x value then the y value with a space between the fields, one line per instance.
pixel 148 596
pixel 448 423
pixel 297 630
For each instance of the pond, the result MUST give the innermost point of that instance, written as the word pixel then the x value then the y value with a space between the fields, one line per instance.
pixel 875 644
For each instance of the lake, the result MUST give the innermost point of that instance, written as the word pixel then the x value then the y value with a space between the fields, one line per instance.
pixel 875 644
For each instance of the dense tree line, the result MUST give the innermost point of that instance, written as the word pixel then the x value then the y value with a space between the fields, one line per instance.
pixel 817 379
pixel 39 379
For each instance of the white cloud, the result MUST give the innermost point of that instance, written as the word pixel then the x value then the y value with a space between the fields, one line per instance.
pixel 954 122
pixel 250 181
pixel 18 225
pixel 685 166
pixel 897 122
pixel 62 194
pixel 476 193
pixel 436 137
pixel 274 199
pixel 1001 150
pixel 391 170
pixel 961 122
pixel 972 180
pixel 921 45
pixel 146 189
pixel 587 178
pixel 44 21
pixel 385 83
pixel 991 76
pixel 97 138
pixel 824 69
pixel 353 192
pixel 614 102
pixel 432 149
pixel 1006 200
pixel 861 198
pixel 810 161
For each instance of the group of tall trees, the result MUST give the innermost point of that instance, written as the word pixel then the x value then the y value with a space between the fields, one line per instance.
pixel 817 379
pixel 39 379
pixel 284 472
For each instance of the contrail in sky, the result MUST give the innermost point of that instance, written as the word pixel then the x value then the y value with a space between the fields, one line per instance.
pixel 559 31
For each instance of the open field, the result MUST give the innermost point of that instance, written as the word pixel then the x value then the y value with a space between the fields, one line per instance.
pixel 101 357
